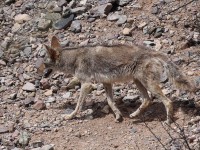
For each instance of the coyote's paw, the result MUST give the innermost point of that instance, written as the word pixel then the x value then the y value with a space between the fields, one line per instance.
pixel 67 117
pixel 167 123
pixel 118 118
pixel 133 115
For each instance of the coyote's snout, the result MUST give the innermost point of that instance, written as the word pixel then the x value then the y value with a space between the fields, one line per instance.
pixel 109 64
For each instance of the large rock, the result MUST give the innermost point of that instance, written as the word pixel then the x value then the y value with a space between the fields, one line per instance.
pixel 63 22
pixel 3 129
pixel 21 18
pixel 27 51
pixel 101 2
pixel 78 10
pixel 39 105
pixel 126 31
pixel 16 27
pixel 122 19
pixel 102 9
pixel 29 87
pixel 53 16
pixel 113 17
pixel 44 24
pixel 122 2
pixel 76 26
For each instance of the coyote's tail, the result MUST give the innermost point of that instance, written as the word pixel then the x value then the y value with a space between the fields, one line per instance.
pixel 177 78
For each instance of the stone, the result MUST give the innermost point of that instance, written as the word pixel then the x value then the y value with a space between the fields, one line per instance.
pixel 63 22
pixel 1 53
pixel 47 72
pixel 44 24
pixel 149 43
pixel 113 17
pixel 48 93
pixel 15 134
pixel 83 2
pixel 5 44
pixel 21 18
pixel 37 144
pixel 88 114
pixel 196 36
pixel 1 112
pixel 3 129
pixel 13 96
pixel 16 27
pixel 9 2
pixel 62 3
pixel 3 63
pixel 24 138
pixel 27 51
pixel 39 105
pixel 28 101
pixel 64 43
pixel 91 19
pixel 103 9
pixel 53 16
pixel 136 6
pixel 44 84
pixel 126 31
pixel 67 95
pixel 47 147
pixel 122 2
pixel 131 98
pixel 158 34
pixel 30 87
pixel 151 30
pixel 106 109
pixel 84 43
pixel 101 2
pixel 51 100
pixel 158 45
pixel 142 25
pixel 154 10
pixel 76 26
pixel 57 9
pixel 122 19
pixel 72 4
pixel 78 10
pixel 66 12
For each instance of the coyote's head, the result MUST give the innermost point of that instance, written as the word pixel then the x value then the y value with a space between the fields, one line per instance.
pixel 53 53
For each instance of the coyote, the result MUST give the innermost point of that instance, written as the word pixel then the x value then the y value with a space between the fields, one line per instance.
pixel 120 63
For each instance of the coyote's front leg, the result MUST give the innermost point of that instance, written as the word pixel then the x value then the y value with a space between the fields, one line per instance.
pixel 85 89
pixel 111 103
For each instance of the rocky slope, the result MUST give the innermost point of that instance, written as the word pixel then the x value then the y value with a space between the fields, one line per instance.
pixel 32 103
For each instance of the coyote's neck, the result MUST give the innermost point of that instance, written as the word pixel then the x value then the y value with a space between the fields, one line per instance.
pixel 68 61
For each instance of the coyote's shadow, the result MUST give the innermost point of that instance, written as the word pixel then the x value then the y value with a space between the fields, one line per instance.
pixel 156 111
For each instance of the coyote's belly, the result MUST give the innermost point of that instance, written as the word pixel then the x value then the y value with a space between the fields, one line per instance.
pixel 111 78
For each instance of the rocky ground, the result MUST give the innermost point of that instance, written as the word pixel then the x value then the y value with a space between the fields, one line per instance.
pixel 32 103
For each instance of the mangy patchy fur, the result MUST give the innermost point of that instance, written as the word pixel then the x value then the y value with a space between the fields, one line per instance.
pixel 109 64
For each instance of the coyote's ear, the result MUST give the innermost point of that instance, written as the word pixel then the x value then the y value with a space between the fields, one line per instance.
pixel 55 44
pixel 52 53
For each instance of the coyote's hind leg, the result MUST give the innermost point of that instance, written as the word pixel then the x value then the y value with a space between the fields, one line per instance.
pixel 146 99
pixel 85 89
pixel 111 103
pixel 155 89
